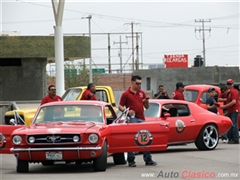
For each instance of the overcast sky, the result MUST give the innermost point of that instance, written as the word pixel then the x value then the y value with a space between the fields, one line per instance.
pixel 166 27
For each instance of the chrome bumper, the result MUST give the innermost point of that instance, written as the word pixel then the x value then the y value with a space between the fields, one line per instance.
pixel 55 149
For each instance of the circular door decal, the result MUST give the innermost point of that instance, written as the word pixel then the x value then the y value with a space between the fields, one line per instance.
pixel 143 138
pixel 180 126
pixel 2 141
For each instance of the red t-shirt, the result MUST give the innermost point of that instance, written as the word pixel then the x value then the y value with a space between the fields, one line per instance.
pixel 223 96
pixel 133 101
pixel 48 99
pixel 233 94
pixel 86 96
pixel 178 95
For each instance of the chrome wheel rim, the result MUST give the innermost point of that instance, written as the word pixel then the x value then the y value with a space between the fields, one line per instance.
pixel 210 136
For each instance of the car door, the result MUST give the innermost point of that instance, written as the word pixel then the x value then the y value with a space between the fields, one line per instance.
pixel 182 124
pixel 145 136
pixel 5 137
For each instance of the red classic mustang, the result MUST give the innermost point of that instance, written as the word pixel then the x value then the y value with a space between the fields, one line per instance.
pixel 188 122
pixel 198 94
pixel 79 131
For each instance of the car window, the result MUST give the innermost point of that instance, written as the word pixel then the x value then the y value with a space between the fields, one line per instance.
pixel 68 113
pixel 152 111
pixel 101 95
pixel 191 95
pixel 205 95
pixel 175 110
pixel 71 94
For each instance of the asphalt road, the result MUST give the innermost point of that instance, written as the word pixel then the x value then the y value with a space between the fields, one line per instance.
pixel 178 162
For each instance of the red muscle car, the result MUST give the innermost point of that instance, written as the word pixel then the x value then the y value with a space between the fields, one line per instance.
pixel 188 122
pixel 79 131
pixel 198 94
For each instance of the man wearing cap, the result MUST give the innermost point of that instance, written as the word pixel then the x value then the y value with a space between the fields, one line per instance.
pixel 232 107
pixel 178 93
pixel 211 102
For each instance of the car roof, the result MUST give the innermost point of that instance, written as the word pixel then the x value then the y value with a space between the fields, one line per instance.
pixel 163 101
pixel 201 86
pixel 82 102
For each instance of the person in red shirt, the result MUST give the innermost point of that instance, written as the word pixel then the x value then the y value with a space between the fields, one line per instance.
pixel 178 93
pixel 232 107
pixel 135 99
pixel 51 97
pixel 89 93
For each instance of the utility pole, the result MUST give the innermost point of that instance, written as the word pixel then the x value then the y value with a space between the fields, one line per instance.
pixel 132 23
pixel 90 59
pixel 120 53
pixel 109 55
pixel 203 37
pixel 137 47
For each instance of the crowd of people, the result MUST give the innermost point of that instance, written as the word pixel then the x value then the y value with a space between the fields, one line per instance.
pixel 136 100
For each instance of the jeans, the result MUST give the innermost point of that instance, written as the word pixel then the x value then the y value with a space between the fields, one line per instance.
pixel 131 155
pixel 233 132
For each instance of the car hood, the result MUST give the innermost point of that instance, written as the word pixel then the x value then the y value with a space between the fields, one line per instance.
pixel 60 127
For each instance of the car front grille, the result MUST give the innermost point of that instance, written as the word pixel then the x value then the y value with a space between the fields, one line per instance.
pixel 53 138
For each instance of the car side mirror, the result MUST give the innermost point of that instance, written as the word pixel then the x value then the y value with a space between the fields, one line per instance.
pixel 166 115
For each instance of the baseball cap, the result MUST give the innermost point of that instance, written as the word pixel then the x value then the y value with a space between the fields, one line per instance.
pixel 230 81
pixel 211 89
pixel 179 84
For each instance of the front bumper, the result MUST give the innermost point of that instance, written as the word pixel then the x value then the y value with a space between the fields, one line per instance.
pixel 68 153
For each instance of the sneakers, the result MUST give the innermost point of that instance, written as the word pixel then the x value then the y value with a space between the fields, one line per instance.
pixel 233 142
pixel 132 164
pixel 225 140
pixel 150 162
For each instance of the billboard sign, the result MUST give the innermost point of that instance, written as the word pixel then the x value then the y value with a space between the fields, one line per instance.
pixel 176 60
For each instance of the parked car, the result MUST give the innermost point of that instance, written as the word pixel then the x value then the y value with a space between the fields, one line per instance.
pixel 198 94
pixel 79 131
pixel 188 122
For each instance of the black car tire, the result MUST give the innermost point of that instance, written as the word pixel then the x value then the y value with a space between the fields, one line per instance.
pixel 22 166
pixel 47 163
pixel 207 138
pixel 119 158
pixel 100 163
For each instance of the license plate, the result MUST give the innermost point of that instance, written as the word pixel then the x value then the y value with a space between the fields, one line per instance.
pixel 53 155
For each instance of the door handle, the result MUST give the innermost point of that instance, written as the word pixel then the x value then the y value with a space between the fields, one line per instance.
pixel 192 120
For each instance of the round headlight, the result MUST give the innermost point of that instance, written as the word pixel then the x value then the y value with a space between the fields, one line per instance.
pixel 76 138
pixel 31 139
pixel 17 140
pixel 93 138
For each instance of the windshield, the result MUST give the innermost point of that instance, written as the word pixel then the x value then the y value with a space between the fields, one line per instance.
pixel 152 111
pixel 191 95
pixel 71 94
pixel 68 113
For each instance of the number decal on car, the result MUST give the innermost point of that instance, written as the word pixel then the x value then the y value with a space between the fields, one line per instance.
pixel 180 126
pixel 2 141
pixel 143 138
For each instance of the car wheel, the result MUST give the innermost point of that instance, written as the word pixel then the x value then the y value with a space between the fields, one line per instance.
pixel 207 138
pixel 100 163
pixel 47 163
pixel 120 158
pixel 22 166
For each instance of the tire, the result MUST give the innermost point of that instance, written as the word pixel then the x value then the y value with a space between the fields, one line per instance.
pixel 120 158
pixel 47 163
pixel 22 166
pixel 207 138
pixel 100 163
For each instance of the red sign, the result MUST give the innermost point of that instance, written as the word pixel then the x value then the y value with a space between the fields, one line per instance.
pixel 176 60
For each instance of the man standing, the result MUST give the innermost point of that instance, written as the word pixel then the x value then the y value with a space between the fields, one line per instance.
pixel 89 93
pixel 161 93
pixel 178 93
pixel 51 97
pixel 135 99
pixel 211 102
pixel 232 107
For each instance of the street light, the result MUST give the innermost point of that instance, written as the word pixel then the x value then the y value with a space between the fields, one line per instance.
pixel 90 59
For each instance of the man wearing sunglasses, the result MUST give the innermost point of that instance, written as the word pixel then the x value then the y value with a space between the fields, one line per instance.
pixel 52 96
pixel 232 106
pixel 135 99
